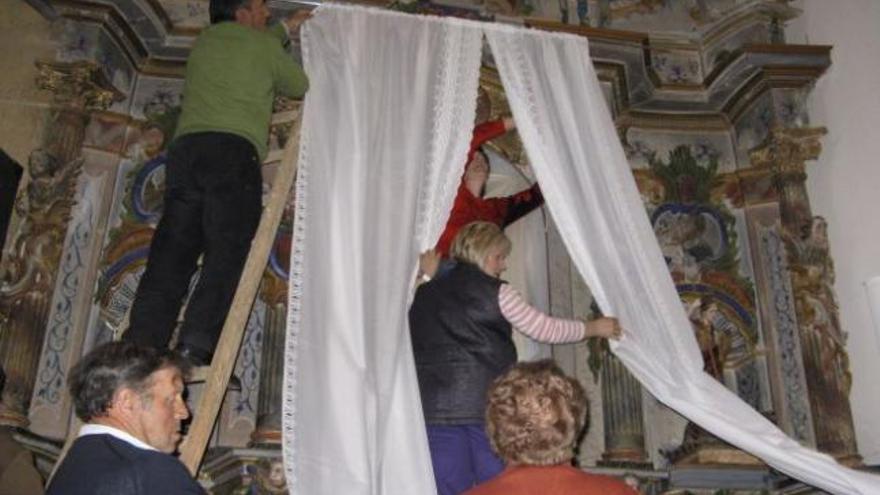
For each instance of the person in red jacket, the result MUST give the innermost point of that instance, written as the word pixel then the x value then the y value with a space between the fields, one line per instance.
pixel 533 418
pixel 470 205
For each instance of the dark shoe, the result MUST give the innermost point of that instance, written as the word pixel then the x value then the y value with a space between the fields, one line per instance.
pixel 200 361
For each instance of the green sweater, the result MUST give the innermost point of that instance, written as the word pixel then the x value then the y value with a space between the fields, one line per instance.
pixel 232 76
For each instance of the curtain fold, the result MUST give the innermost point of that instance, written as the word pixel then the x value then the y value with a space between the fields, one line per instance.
pixel 577 157
pixel 384 136
pixel 386 128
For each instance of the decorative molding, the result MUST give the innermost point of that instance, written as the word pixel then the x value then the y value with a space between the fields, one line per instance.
pixel 795 418
pixel 29 270
pixel 50 407
pixel 79 85
pixel 785 151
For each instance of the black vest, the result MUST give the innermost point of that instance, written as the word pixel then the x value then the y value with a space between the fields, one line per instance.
pixel 461 343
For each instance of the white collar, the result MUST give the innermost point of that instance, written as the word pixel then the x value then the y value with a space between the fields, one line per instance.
pixel 96 429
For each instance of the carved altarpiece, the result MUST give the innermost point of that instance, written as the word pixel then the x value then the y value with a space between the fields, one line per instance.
pixel 29 270
pixel 721 164
pixel 710 114
pixel 822 340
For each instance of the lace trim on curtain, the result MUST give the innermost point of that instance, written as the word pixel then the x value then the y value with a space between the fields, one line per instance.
pixel 294 289
pixel 454 110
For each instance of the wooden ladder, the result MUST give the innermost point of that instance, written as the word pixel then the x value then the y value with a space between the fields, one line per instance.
pixel 217 375
pixel 193 448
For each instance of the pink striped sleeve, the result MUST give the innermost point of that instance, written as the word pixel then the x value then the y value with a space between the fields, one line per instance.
pixel 535 324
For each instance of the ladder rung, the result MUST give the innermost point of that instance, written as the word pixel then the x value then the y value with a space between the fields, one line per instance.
pixel 198 374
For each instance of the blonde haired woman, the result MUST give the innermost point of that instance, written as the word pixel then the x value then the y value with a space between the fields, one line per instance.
pixel 461 326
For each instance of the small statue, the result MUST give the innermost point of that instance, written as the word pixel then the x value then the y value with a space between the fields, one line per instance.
pixel 266 478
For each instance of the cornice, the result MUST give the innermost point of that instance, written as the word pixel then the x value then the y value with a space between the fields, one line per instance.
pixel 144 43
pixel 623 60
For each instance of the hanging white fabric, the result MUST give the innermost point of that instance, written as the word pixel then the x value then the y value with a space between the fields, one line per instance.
pixel 577 157
pixel 385 132
pixel 391 101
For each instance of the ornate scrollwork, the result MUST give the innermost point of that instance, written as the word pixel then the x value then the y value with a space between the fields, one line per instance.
pixel 825 360
pixel 786 149
pixel 492 104
pixel 45 209
pixel 806 239
pixel 812 275
pixel 27 276
pixel 80 84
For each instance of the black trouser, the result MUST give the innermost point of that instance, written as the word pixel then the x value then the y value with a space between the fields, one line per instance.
pixel 213 188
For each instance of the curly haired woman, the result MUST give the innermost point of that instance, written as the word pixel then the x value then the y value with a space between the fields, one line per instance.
pixel 533 419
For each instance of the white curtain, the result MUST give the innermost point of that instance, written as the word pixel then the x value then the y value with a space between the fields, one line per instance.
pixel 385 133
pixel 386 127
pixel 576 155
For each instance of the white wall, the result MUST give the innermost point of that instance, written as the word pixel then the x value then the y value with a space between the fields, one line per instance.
pixel 844 183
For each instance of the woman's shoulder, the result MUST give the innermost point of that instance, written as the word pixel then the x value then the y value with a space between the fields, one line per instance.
pixel 576 481
pixel 566 480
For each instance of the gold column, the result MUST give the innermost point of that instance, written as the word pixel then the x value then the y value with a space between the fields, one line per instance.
pixel 268 428
pixel 826 363
pixel 784 154
pixel 273 291
pixel 622 413
pixel 27 276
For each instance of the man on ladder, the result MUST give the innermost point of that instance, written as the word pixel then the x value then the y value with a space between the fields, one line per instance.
pixel 213 181
pixel 212 201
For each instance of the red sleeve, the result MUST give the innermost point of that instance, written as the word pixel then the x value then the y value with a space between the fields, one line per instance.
pixel 509 209
pixel 467 208
pixel 464 211
pixel 484 132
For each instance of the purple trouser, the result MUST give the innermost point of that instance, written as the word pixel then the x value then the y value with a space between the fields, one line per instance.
pixel 461 457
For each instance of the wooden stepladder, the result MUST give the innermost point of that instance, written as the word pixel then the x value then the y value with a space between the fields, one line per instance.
pixel 193 448
pixel 217 375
